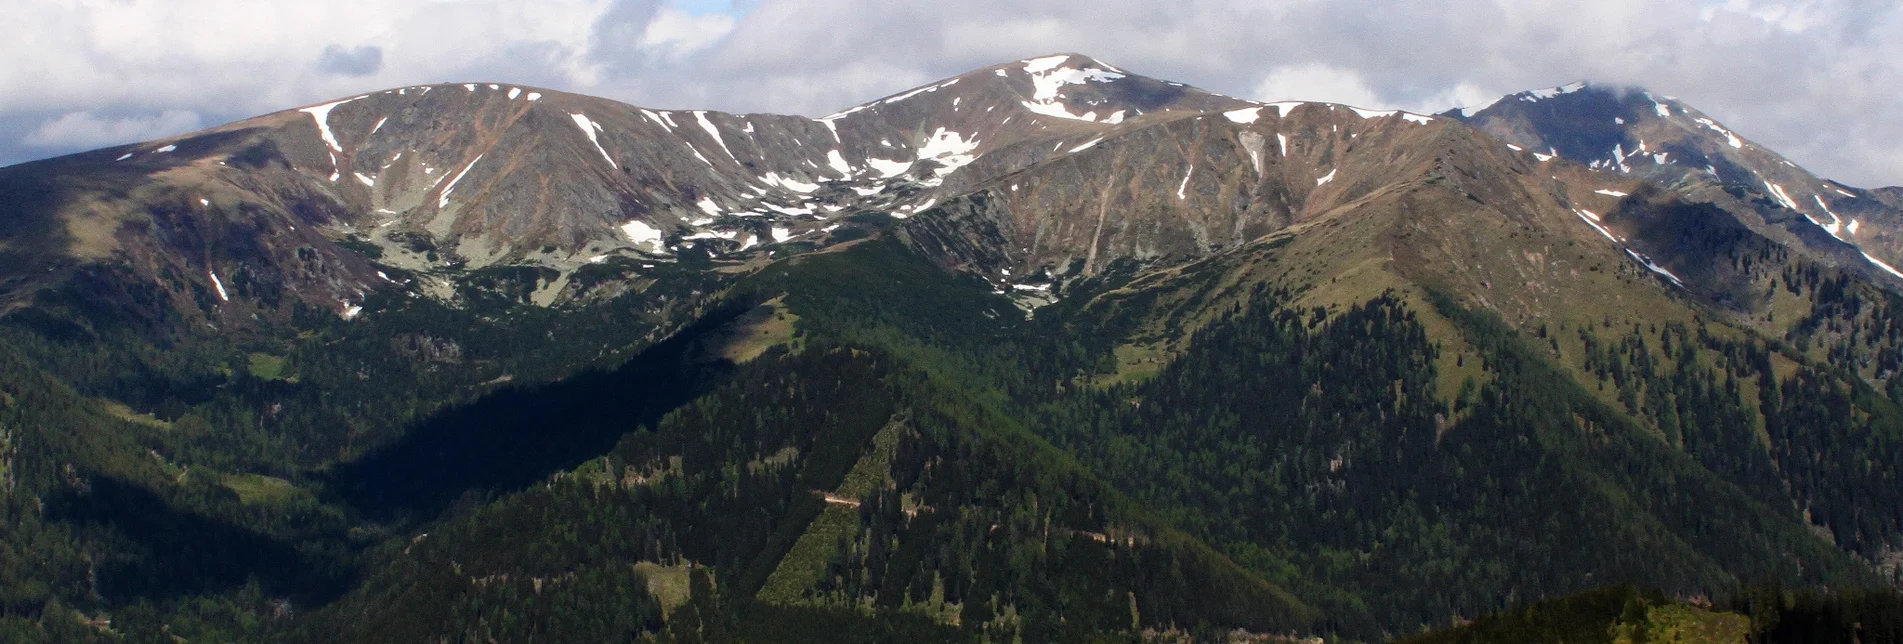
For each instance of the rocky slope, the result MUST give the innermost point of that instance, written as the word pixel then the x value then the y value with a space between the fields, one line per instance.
pixel 1049 166
pixel 1633 132
pixel 442 179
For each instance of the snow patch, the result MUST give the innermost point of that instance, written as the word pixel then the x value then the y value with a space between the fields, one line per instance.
pixel 366 181
pixel 831 127
pixel 1654 267
pixel 888 169
pixel 1539 94
pixel 774 179
pixel 728 235
pixel 640 232
pixel 1836 223
pixel 843 113
pixel 514 92
pixel 1244 116
pixel 1048 78
pixel 1087 145
pixel 321 114
pixel 1714 126
pixel 1326 178
pixel 1593 220
pixel 379 125
pixel 1040 65
pixel 715 132
pixel 708 206
pixel 535 96
pixel 1282 140
pixel 1185 184
pixel 697 154
pixel 123 157
pixel 1783 198
pixel 1057 110
pixel 1886 267
pixel 1470 111
pixel 216 283
pixel 838 163
pixel 165 149
pixel 950 149
pixel 443 200
pixel 590 128
pixel 803 210
pixel 1609 193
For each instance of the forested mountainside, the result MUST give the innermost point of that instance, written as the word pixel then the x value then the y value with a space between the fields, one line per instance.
pixel 1151 363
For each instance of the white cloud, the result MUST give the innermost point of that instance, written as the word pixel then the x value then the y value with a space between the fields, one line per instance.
pixel 218 55
pixel 674 33
pixel 1317 82
pixel 88 130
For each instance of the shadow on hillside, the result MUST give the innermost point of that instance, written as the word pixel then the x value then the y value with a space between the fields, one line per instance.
pixel 176 553
pixel 515 437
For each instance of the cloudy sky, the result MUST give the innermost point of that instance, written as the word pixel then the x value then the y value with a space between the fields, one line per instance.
pixel 1818 80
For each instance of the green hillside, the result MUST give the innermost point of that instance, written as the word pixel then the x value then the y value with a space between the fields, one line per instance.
pixel 906 455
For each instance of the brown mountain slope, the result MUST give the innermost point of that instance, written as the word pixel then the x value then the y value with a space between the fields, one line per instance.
pixel 437 180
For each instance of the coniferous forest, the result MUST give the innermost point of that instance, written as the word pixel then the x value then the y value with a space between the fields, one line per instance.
pixel 857 445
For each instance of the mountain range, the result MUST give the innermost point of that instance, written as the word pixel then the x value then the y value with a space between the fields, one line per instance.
pixel 1047 350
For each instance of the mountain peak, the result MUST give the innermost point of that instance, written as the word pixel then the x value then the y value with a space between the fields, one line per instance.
pixel 1060 59
pixel 1531 95
pixel 1629 130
